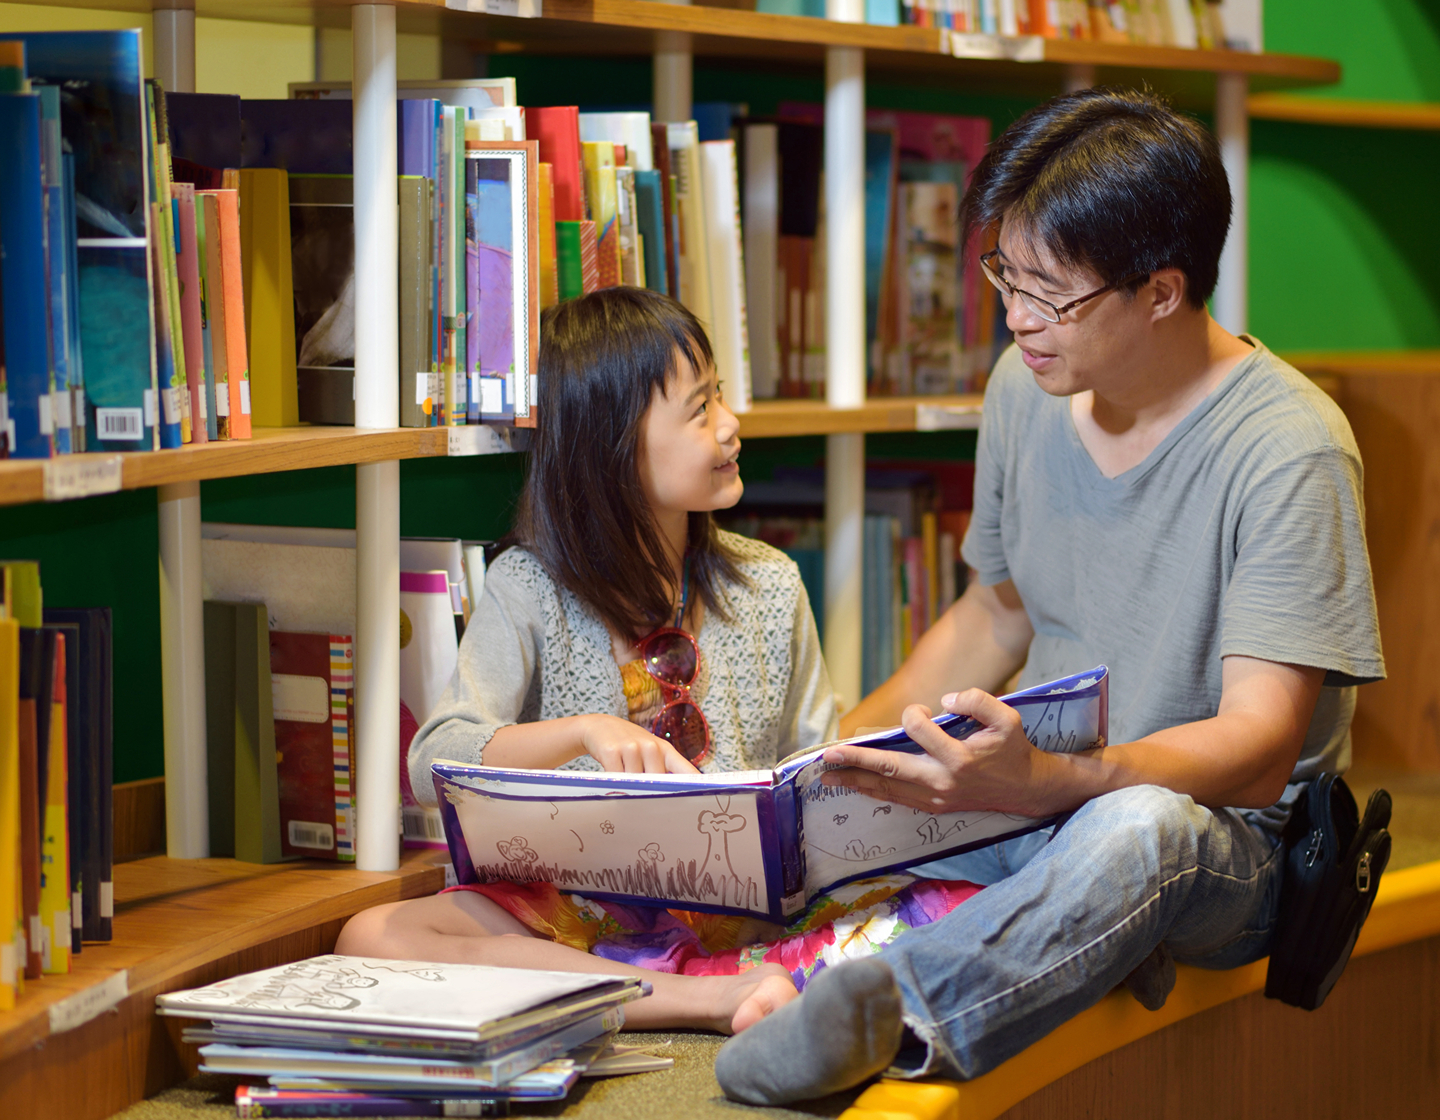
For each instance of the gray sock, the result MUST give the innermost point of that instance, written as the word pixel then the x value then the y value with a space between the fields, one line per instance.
pixel 846 1027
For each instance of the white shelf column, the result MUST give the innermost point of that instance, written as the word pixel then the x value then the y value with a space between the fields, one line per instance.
pixel 845 352
pixel 377 405
pixel 1232 127
pixel 174 24
pixel 182 670
pixel 674 74
pixel 182 599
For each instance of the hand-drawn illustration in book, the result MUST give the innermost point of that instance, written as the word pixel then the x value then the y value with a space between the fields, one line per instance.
pixel 757 842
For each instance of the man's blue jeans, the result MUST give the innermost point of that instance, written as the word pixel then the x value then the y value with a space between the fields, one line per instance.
pixel 1063 922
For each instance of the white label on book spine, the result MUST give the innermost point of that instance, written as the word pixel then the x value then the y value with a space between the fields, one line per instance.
pixel 107 899
pixel 312 834
pixel 303 699
pixel 121 423
pixel 73 476
pixel 422 387
pixel 47 424
pixel 222 399
pixel 149 408
pixel 170 398
pixel 245 396
pixel 204 407
pixel 61 398
pixel 76 918
pixel 492 395
pixel 79 1009
pixel 37 934
pixel 7 960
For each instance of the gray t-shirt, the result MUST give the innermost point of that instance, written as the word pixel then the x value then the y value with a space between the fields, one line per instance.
pixel 1243 533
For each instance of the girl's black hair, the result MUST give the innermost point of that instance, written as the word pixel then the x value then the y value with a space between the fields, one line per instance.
pixel 583 512
pixel 1113 180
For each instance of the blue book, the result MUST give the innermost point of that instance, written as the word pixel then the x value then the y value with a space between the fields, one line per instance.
pixel 305 137
pixel 650 207
pixel 204 136
pixel 72 306
pixel 103 118
pixel 881 151
pixel 56 411
pixel 23 264
pixel 415 125
pixel 763 843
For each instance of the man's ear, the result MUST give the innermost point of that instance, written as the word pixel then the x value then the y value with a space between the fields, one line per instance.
pixel 1166 293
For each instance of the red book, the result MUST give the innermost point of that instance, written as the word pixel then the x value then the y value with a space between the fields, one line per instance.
pixel 557 127
pixel 312 685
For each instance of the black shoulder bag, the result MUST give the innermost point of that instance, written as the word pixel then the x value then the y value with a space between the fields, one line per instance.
pixel 1333 863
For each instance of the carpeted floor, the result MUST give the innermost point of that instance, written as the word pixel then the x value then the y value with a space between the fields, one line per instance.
pixel 687 1091
pixel 690 1090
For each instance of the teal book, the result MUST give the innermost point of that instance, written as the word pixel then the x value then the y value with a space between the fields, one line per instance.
pixel 103 119
pixel 650 214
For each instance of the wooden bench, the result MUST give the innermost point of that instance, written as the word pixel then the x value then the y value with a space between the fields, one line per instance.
pixel 1219 1048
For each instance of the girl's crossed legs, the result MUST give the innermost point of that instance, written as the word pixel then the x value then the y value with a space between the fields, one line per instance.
pixel 462 927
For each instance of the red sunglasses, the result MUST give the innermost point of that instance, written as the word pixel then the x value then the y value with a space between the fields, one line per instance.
pixel 672 658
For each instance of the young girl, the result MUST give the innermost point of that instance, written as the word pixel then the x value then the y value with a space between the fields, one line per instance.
pixel 617 564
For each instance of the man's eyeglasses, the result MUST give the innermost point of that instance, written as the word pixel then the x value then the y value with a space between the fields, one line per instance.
pixel 672 658
pixel 1043 307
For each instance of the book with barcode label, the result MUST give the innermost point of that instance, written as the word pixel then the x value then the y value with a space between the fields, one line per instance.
pixel 313 699
pixel 103 120
pixel 763 843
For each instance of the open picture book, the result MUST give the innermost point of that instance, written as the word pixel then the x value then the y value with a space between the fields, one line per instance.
pixel 756 842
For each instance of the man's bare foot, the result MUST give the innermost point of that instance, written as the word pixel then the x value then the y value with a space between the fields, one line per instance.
pixel 757 993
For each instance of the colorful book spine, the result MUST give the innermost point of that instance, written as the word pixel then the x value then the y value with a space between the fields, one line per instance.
pixel 600 193
pixel 342 742
pixel 569 275
pixel 650 221
pixel 237 348
pixel 207 335
pixel 458 406
pixel 173 398
pixel 55 840
pixel 191 317
pixel 22 272
pixel 589 258
pixel 269 296
pixel 30 797
pixel 450 264
pixel 217 375
pixel 557 129
pixel 416 401
pixel 549 284
pixel 11 929
pixel 55 411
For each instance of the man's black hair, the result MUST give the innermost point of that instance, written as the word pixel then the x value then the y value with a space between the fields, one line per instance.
pixel 1113 180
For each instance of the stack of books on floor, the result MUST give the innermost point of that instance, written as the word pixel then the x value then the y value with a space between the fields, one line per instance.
pixel 56 843
pixel 352 1036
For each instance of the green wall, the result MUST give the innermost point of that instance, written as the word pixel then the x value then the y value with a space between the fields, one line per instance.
pixel 1345 254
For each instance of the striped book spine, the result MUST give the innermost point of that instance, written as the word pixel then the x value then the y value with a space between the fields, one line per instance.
pixel 589 258
pixel 342 688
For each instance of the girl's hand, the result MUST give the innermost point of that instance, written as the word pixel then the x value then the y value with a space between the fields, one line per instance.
pixel 623 747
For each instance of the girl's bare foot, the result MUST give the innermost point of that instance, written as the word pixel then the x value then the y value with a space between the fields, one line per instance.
pixel 760 991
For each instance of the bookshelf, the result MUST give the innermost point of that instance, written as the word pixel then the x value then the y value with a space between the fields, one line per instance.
pixel 673 34
pixel 1350 114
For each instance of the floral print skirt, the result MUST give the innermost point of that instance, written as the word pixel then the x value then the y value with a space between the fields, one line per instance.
pixel 850 921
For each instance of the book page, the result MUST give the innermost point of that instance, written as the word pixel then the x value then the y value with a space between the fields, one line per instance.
pixel 696 848
pixel 848 834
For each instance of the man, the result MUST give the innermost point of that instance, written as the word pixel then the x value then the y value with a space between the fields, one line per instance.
pixel 1151 493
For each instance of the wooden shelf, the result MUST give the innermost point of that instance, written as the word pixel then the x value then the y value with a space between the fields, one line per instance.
pixel 178 923
pixel 879 414
pixel 1339 363
pixel 1350 114
pixel 907 54
pixel 271 449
